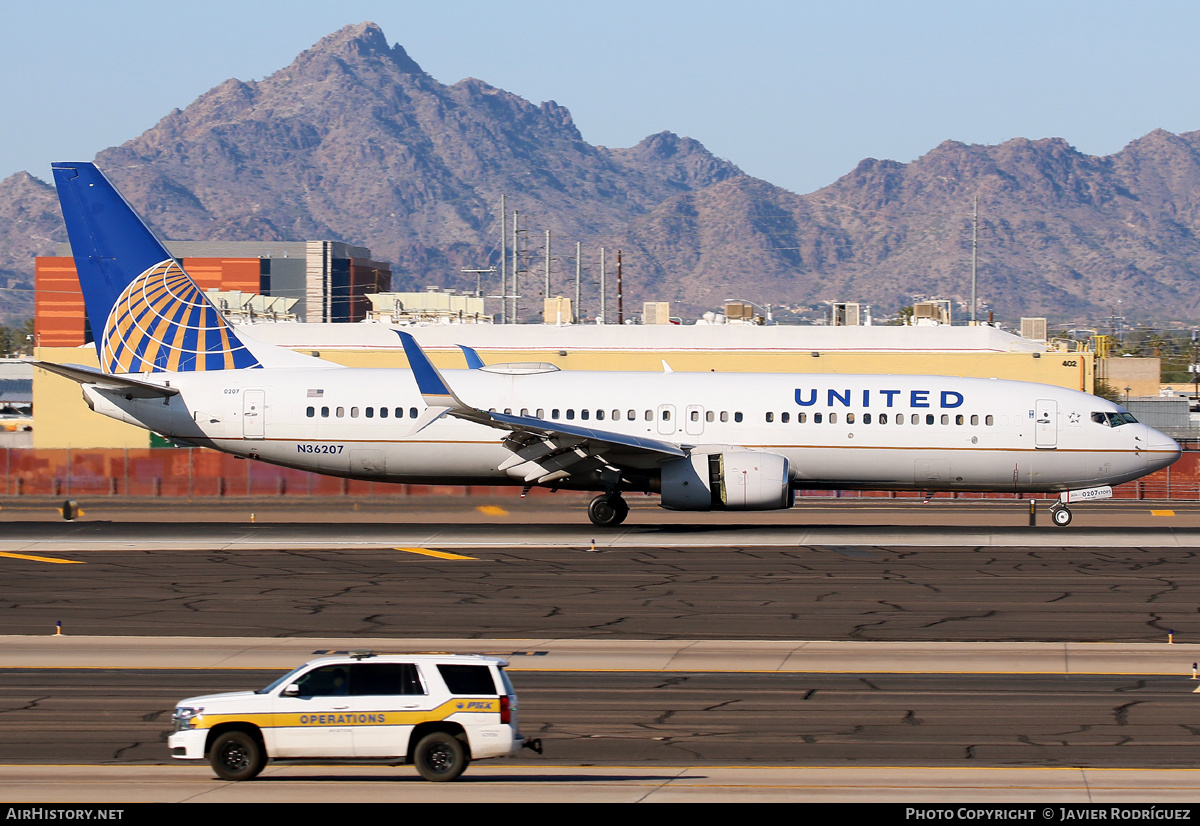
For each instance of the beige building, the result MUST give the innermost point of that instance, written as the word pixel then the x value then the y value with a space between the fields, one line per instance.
pixel 1132 377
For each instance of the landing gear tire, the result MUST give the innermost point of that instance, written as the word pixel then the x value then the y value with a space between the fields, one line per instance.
pixel 237 755
pixel 1061 516
pixel 440 757
pixel 607 510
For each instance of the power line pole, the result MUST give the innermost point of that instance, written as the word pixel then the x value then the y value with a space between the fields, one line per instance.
pixel 503 256
pixel 516 281
pixel 578 272
pixel 602 285
pixel 546 294
pixel 620 293
pixel 974 255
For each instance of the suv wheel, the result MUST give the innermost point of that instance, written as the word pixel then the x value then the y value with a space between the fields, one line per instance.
pixel 440 756
pixel 237 755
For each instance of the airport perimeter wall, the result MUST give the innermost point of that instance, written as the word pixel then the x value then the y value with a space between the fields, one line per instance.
pixel 198 472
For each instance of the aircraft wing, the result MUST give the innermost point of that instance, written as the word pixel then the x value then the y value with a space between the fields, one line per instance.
pixel 545 451
pixel 124 385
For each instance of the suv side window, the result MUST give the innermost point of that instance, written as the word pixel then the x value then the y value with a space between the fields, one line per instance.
pixel 468 679
pixel 384 678
pixel 326 681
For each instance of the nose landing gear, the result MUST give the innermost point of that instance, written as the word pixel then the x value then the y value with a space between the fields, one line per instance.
pixel 1061 515
pixel 608 510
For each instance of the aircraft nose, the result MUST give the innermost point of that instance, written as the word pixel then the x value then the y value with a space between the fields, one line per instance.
pixel 1161 449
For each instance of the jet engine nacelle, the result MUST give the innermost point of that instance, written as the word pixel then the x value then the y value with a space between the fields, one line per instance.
pixel 739 480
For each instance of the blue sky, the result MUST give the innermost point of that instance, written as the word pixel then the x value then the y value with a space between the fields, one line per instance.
pixel 796 93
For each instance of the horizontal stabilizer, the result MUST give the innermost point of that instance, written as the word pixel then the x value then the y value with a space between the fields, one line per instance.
pixel 130 388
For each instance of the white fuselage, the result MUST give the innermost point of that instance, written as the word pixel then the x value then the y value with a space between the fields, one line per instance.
pixel 837 431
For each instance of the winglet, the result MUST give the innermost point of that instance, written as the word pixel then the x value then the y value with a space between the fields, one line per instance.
pixel 434 389
pixel 473 360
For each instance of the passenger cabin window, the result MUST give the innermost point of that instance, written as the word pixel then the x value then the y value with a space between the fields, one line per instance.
pixel 384 679
pixel 312 411
pixel 468 679
pixel 737 417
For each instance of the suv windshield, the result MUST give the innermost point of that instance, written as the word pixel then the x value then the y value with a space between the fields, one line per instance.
pixel 274 685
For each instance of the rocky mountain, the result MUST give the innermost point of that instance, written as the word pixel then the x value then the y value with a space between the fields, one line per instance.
pixel 353 141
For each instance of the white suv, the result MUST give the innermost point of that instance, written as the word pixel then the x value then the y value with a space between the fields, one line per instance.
pixel 437 712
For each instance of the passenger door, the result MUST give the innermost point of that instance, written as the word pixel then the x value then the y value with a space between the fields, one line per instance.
pixel 1045 424
pixel 389 700
pixel 316 721
pixel 254 407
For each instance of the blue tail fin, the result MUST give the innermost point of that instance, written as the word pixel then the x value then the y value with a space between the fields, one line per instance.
pixel 146 313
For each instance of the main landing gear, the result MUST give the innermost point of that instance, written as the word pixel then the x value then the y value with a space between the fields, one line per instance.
pixel 608 510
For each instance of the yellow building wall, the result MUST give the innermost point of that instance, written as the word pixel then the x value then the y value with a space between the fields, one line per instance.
pixel 62 419
pixel 1071 370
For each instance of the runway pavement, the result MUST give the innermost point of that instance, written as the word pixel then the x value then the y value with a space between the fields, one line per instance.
pixel 502 783
pixel 956 610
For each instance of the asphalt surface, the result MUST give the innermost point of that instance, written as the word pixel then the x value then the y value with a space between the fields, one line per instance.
pixel 954 571
pixel 68 716
pixel 336 585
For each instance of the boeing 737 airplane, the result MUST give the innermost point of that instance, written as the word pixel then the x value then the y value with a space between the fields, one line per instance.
pixel 169 362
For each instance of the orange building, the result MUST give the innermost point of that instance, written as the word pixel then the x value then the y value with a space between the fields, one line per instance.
pixel 330 279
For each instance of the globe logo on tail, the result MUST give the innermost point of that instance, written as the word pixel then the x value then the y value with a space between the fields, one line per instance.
pixel 162 322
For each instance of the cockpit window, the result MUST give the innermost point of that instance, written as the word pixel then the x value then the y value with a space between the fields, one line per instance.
pixel 1109 419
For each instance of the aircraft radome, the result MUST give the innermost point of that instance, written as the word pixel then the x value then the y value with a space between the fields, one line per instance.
pixel 172 364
